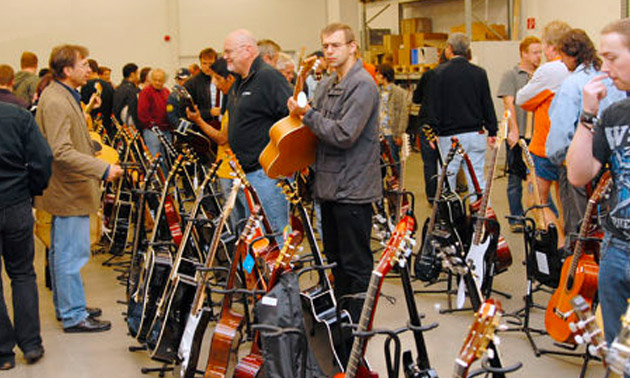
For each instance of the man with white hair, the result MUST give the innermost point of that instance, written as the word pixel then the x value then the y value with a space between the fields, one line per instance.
pixel 256 101
pixel 152 110
pixel 286 66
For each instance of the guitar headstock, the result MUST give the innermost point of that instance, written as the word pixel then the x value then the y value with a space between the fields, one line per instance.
pixel 290 191
pixel 590 331
pixel 602 187
pixel 184 96
pixel 455 148
pixel 397 244
pixel 405 148
pixel 305 67
pixel 288 249
pixel 503 127
pixel 529 161
pixel 236 167
pixel 480 333
pixel 429 133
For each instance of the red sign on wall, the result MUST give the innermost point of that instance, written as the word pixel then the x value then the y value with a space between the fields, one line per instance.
pixel 531 23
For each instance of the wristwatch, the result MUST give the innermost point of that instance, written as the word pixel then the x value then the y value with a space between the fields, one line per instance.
pixel 589 120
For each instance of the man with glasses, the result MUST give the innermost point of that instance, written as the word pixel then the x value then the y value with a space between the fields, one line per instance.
pixel 256 101
pixel 344 116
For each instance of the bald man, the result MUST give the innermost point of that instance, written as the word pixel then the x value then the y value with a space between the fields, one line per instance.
pixel 256 101
pixel 152 110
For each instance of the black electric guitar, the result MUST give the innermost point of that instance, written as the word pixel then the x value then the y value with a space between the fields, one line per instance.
pixel 195 138
pixel 324 331
pixel 446 206
pixel 172 312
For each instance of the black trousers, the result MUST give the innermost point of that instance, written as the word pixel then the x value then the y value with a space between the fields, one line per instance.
pixel 346 238
pixel 18 250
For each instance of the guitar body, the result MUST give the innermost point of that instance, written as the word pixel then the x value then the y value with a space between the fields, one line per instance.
pixel 584 284
pixel 225 339
pixel 168 328
pixel 291 148
pixel 362 372
pixel 120 234
pixel 190 346
pixel 160 267
pixel 249 366
pixel 544 262
pixel 427 265
pixel 173 219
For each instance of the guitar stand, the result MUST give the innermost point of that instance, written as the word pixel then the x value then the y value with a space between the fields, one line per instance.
pixel 160 370
pixel 486 368
pixel 245 293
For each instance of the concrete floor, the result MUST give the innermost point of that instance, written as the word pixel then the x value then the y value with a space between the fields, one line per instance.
pixel 106 354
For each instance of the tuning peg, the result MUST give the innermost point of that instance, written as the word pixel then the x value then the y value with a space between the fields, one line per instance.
pixel 579 339
pixel 490 353
pixel 594 350
pixel 497 340
pixel 587 337
pixel 573 327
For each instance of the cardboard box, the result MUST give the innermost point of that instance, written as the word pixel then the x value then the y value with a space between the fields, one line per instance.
pixel 404 57
pixel 481 32
pixel 416 25
pixel 391 42
pixel 424 55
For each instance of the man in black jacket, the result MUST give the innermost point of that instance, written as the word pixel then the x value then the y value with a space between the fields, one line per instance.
pixel 96 84
pixel 461 106
pixel 125 107
pixel 25 168
pixel 205 94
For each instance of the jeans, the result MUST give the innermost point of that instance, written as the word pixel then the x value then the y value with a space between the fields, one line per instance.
pixel 17 250
pixel 475 146
pixel 394 151
pixel 273 201
pixel 430 162
pixel 614 283
pixel 153 142
pixel 69 252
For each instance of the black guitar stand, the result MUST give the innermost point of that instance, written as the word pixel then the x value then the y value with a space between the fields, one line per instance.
pixel 245 293
pixel 147 370
pixel 487 369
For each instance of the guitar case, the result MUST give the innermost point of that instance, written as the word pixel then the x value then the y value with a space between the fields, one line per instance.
pixel 285 355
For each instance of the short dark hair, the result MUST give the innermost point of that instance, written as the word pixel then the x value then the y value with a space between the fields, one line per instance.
pixel 387 71
pixel 128 69
pixel 576 43
pixel 93 65
pixel 144 72
pixel 65 56
pixel 208 53
pixel 6 74
pixel 220 68
pixel 103 69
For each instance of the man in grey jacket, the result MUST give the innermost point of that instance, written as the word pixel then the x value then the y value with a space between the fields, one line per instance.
pixel 344 117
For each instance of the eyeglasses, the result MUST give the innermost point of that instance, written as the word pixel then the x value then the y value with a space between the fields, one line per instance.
pixel 334 46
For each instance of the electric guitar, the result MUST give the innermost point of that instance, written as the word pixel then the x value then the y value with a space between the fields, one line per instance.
pixel 480 335
pixel 579 275
pixel 323 326
pixel 483 246
pixel 292 145
pixel 398 241
pixel 427 264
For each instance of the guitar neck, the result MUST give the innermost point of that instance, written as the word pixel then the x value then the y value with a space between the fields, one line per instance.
pixel 365 322
pixel 579 245
pixel 414 317
pixel 483 208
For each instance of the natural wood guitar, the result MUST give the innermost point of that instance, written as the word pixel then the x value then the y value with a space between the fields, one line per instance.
pixel 292 144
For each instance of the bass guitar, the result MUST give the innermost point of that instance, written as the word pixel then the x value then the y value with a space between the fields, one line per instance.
pixel 482 252
pixel 292 145
pixel 479 338
pixel 398 241
pixel 250 365
pixel 427 265
pixel 579 275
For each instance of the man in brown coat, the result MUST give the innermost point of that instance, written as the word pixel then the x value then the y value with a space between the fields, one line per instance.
pixel 73 192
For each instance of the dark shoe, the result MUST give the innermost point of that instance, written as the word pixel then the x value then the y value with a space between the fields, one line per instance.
pixel 34 355
pixel 516 228
pixel 7 365
pixel 89 325
pixel 93 312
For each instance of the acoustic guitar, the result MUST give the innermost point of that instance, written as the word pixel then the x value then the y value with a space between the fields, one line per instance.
pixel 579 275
pixel 618 354
pixel 588 329
pixel 292 145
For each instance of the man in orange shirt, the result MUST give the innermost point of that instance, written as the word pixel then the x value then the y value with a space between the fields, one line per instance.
pixel 536 97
